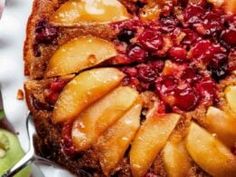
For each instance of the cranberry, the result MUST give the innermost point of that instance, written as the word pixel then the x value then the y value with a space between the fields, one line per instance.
pixel 207 89
pixel 146 73
pixel 131 71
pixel 168 24
pixel 126 35
pixel 190 38
pixel 190 75
pixel 193 14
pixel 205 50
pixel 51 97
pixel 166 84
pixel 186 99
pixel 57 86
pixel 212 22
pixel 157 65
pixel 137 53
pixel 151 40
pixel 150 175
pixel 45 33
pixel 140 4
pixel 219 72
pixel 229 36
pixel 67 144
pixel 178 54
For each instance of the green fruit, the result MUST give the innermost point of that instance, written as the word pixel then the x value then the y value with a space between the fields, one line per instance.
pixel 10 153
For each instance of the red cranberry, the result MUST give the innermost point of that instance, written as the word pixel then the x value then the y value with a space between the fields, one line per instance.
pixel 190 75
pixel 168 24
pixel 166 84
pixel 146 73
pixel 131 71
pixel 205 50
pixel 207 90
pixel 219 72
pixel 151 40
pixel 229 36
pixel 67 143
pixel 212 22
pixel 52 97
pixel 57 86
pixel 150 175
pixel 137 53
pixel 45 33
pixel 126 35
pixel 178 54
pixel 190 38
pixel 186 99
pixel 157 65
pixel 193 14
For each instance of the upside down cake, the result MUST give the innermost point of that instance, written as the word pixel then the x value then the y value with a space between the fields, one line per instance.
pixel 138 88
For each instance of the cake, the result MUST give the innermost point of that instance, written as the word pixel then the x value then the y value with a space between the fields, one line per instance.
pixel 134 88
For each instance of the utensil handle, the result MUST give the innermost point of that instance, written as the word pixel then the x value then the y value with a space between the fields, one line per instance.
pixel 26 160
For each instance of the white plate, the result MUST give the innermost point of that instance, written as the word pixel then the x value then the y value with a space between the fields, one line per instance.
pixel 12 35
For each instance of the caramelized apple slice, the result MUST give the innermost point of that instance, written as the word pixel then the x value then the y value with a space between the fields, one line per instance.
pixel 113 144
pixel 79 54
pixel 223 124
pixel 209 153
pixel 230 94
pixel 83 90
pixel 230 6
pixel 150 139
pixel 176 159
pixel 93 121
pixel 75 12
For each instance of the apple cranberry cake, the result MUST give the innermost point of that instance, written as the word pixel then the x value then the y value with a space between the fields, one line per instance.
pixel 136 88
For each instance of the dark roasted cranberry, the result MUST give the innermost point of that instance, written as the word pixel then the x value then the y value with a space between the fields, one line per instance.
pixel 137 53
pixel 45 33
pixel 220 72
pixel 146 73
pixel 229 36
pixel 207 89
pixel 178 54
pixel 186 99
pixel 157 65
pixel 151 40
pixel 140 4
pixel 193 14
pixel 168 24
pixel 126 35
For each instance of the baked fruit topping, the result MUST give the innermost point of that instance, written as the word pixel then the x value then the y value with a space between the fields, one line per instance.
pixel 135 88
pixel 79 54
pixel 75 12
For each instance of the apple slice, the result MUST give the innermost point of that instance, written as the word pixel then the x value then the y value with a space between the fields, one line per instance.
pixel 83 90
pixel 93 121
pixel 230 94
pixel 230 6
pixel 150 139
pixel 75 12
pixel 222 124
pixel 209 153
pixel 176 159
pixel 112 145
pixel 78 54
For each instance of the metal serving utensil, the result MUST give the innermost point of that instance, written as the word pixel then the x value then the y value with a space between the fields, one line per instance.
pixel 30 156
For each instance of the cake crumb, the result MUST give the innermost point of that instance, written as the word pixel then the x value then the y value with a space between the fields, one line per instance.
pixel 20 94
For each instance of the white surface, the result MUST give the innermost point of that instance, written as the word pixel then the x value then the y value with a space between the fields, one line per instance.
pixel 12 35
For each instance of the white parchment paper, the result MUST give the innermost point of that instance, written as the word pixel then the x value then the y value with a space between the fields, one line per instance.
pixel 12 35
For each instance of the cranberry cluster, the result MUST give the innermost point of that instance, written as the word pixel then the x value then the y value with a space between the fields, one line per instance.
pixel 195 38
